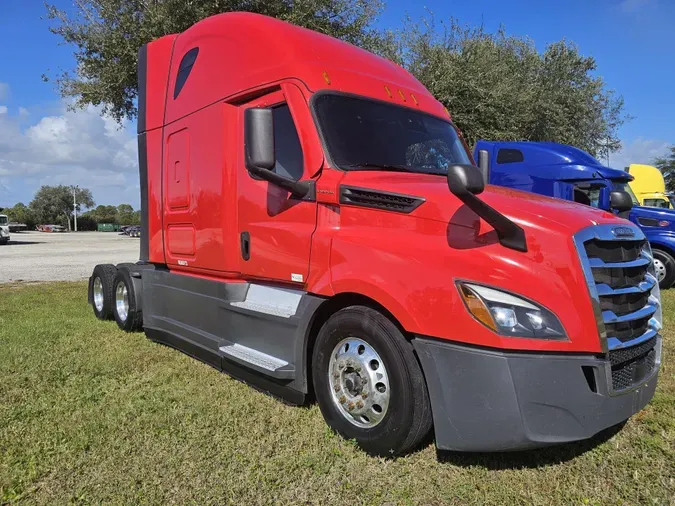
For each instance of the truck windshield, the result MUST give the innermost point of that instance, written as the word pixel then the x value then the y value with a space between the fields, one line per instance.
pixel 4 220
pixel 626 188
pixel 363 134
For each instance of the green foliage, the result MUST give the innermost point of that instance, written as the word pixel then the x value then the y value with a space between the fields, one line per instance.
pixel 108 33
pixel 123 214
pixel 54 204
pixel 499 87
pixel 21 213
pixel 666 164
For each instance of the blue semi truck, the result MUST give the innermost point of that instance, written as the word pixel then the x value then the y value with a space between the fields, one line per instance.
pixel 568 173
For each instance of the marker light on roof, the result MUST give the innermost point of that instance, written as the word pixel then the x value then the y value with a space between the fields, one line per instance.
pixel 326 78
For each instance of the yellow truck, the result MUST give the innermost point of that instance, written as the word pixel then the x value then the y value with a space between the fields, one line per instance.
pixel 649 186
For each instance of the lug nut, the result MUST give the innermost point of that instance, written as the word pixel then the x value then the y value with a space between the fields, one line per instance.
pixel 343 399
pixel 364 395
pixel 337 388
pixel 359 404
pixel 350 406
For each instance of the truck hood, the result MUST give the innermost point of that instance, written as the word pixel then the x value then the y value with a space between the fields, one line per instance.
pixel 527 209
pixel 659 213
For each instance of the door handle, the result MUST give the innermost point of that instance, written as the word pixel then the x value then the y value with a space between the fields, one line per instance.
pixel 245 243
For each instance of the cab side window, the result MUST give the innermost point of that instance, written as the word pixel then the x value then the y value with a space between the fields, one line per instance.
pixel 287 147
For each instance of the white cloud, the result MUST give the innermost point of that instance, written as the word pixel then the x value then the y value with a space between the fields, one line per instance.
pixel 4 91
pixel 639 150
pixel 3 109
pixel 71 147
pixel 634 5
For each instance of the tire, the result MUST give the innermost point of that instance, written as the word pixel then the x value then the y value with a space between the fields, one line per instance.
pixel 404 414
pixel 106 274
pixel 665 268
pixel 125 308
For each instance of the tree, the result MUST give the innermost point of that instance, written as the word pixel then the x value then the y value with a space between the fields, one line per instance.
pixel 499 87
pixel 125 214
pixel 666 164
pixel 53 204
pixel 107 34
pixel 21 213
pixel 105 214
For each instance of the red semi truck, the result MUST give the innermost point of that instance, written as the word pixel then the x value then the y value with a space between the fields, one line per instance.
pixel 311 225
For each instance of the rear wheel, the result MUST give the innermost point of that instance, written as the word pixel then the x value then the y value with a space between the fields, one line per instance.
pixel 102 282
pixel 369 384
pixel 664 264
pixel 126 309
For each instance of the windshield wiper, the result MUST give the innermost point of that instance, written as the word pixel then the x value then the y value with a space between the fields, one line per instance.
pixel 383 166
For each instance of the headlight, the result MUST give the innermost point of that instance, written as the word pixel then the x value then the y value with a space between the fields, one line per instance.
pixel 508 314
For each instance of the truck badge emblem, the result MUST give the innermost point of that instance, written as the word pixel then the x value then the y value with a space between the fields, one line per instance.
pixel 623 232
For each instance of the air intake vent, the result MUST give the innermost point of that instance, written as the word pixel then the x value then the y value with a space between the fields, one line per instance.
pixel 377 199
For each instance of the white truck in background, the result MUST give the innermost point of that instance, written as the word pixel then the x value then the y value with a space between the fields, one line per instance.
pixel 4 229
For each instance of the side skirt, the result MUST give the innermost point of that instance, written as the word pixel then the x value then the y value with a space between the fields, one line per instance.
pixel 232 369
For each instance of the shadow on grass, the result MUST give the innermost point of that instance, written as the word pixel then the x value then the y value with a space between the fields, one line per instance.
pixel 528 459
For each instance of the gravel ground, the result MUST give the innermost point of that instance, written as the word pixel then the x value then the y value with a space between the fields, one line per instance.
pixel 40 256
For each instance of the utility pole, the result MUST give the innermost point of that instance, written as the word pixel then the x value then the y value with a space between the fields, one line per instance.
pixel 75 207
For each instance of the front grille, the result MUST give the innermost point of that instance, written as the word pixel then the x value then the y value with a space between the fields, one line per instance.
pixel 614 251
pixel 627 331
pixel 377 199
pixel 618 272
pixel 624 303
pixel 632 365
pixel 619 277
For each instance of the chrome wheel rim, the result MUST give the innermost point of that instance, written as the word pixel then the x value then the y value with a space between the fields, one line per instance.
pixel 660 269
pixel 359 383
pixel 122 301
pixel 98 294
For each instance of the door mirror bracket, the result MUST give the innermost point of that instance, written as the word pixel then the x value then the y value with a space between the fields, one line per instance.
pixel 259 152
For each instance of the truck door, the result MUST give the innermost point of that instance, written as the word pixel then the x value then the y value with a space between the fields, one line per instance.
pixel 275 228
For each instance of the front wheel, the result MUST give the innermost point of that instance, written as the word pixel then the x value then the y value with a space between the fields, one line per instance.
pixel 368 383
pixel 664 265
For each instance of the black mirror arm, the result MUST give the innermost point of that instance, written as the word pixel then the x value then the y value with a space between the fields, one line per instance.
pixel 299 189
pixel 510 235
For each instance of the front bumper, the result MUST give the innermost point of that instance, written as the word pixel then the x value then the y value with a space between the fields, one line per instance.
pixel 484 400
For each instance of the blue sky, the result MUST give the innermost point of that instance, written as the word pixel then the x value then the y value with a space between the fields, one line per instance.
pixel 633 42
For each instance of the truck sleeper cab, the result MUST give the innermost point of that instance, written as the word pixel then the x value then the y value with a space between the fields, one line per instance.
pixel 568 173
pixel 311 225
pixel 649 186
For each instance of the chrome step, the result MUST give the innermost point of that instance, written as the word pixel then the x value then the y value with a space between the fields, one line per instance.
pixel 258 360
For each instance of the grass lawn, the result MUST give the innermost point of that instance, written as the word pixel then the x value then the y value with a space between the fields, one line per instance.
pixel 89 414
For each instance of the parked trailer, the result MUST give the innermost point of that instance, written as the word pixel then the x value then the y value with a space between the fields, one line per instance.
pixel 298 234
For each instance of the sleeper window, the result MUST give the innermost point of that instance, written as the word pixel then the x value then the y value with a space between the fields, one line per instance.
pixel 287 149
pixel 184 70
pixel 509 156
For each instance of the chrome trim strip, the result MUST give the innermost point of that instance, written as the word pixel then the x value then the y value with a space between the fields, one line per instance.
pixel 597 263
pixel 615 344
pixel 644 286
pixel 647 310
